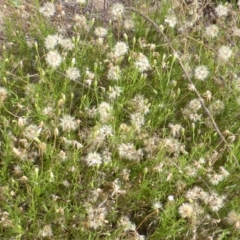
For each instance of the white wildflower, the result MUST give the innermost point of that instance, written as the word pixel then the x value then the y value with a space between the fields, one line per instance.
pixel 72 143
pixel 140 104
pixel 105 111
pixel 120 49
pixel 157 205
pixel 186 210
pixel 212 31
pixel 224 172
pixel 207 95
pixel 81 22
pixel 216 107
pixel 62 155
pixel 142 63
pixel 137 120
pixel 100 32
pixel 106 156
pixel 20 153
pixel 51 41
pixel 171 198
pixel 126 224
pixel 32 131
pixel 73 73
pixel 48 9
pixel 195 105
pixel 17 170
pixel 171 20
pixel 197 193
pixel 48 111
pixel 172 145
pixel 114 92
pixel 3 94
pixel 96 217
pixel 236 32
pixel 128 24
pixel 221 10
pixel 201 73
pixel 93 159
pixel 128 151
pixel 191 171
pixel 215 178
pixel 68 123
pixel 233 218
pixel 215 202
pixel 224 54
pixel 53 59
pixel 66 43
pixel 191 87
pixel 117 10
pixel 195 117
pixel 114 73
pixel 175 129
pixel 76 144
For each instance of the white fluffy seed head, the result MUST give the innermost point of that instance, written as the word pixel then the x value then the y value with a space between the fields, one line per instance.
pixel 48 9
pixel 201 73
pixel 53 59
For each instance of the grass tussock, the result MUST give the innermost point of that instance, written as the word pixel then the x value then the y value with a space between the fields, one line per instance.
pixel 121 123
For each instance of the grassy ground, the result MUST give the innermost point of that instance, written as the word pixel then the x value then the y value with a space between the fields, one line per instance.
pixel 115 128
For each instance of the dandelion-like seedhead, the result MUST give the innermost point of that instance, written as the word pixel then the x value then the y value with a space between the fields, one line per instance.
pixel 105 112
pixel 93 159
pixel 120 49
pixel 81 22
pixel 175 129
pixel 212 31
pixel 96 217
pixel 221 10
pixel 128 151
pixel 114 73
pixel 73 73
pixel 215 202
pixel 216 107
pixel 201 73
pixel 53 59
pixel 224 54
pixel 32 131
pixel 51 41
pixel 128 24
pixel 195 105
pixel 114 93
pixel 100 32
pixel 68 123
pixel 48 9
pixel 233 218
pixel 117 10
pixel 142 63
pixel 3 94
pixel 66 44
pixel 171 20
pixel 186 210
pixel 126 224
pixel 236 32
